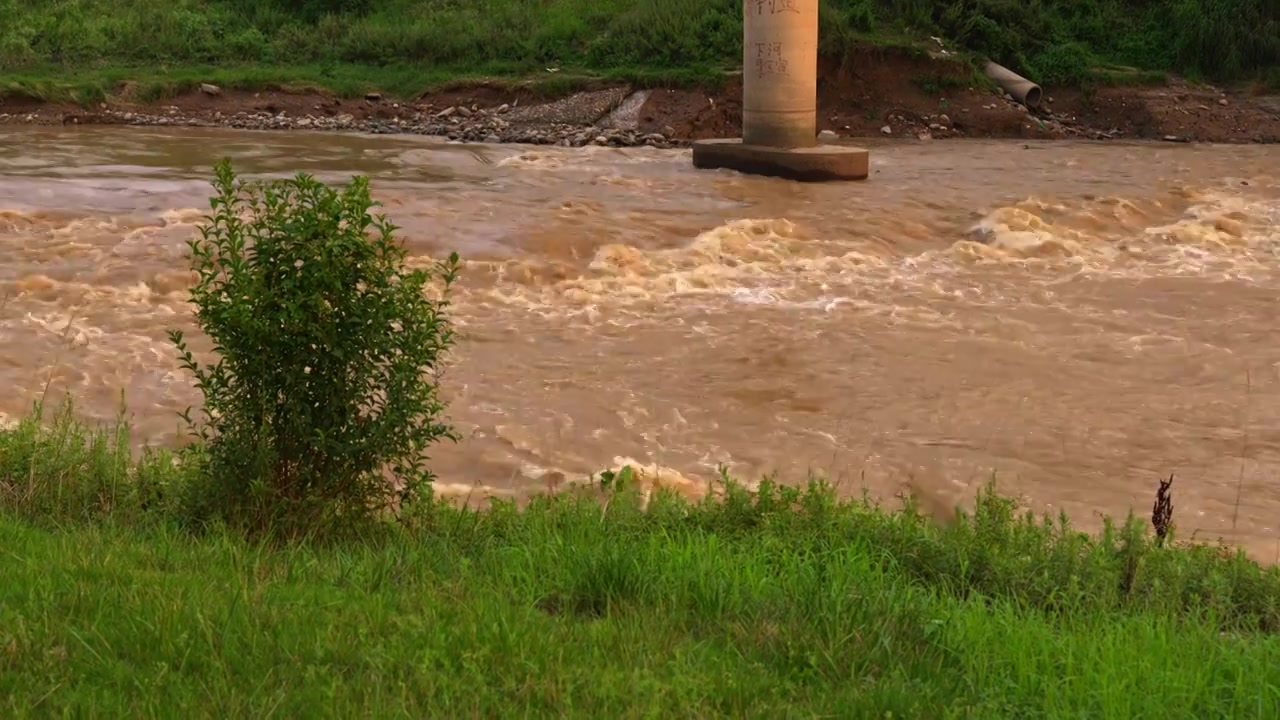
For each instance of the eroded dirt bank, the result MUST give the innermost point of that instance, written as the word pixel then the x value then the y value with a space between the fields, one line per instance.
pixel 877 93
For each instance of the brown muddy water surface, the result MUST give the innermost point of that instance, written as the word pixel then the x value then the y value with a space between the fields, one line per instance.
pixel 1080 319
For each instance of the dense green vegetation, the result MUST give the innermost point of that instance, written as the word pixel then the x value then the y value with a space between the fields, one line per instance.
pixel 264 570
pixel 782 603
pixel 395 43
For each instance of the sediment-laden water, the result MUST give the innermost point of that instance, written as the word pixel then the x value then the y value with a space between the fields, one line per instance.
pixel 1081 319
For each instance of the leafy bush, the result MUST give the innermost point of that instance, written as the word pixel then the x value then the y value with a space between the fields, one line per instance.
pixel 1066 64
pixel 1271 80
pixel 329 355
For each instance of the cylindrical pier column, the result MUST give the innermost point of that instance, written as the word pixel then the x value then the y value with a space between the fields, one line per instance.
pixel 780 102
pixel 779 73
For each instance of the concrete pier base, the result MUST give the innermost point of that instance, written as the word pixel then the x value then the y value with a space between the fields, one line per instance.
pixel 815 163
pixel 779 101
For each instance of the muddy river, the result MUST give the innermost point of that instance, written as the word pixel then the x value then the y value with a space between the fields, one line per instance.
pixel 1079 319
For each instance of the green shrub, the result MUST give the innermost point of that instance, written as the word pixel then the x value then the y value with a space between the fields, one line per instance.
pixel 1271 80
pixel 843 24
pixel 328 349
pixel 1065 64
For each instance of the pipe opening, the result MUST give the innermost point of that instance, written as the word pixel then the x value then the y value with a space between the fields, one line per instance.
pixel 1033 97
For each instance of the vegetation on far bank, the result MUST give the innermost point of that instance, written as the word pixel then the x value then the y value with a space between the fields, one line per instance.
pixel 271 567
pixel 405 46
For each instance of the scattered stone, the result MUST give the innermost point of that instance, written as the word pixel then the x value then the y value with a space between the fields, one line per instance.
pixel 567 124
pixel 581 109
pixel 373 97
pixel 210 89
pixel 1223 102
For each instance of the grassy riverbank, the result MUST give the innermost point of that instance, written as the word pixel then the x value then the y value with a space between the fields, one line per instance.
pixel 405 46
pixel 782 603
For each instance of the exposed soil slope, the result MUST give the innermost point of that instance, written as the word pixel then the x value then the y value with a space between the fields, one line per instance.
pixel 881 93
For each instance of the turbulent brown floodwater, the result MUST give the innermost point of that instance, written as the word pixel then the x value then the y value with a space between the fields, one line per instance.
pixel 1081 319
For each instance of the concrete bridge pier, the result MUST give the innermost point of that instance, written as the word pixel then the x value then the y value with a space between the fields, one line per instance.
pixel 779 101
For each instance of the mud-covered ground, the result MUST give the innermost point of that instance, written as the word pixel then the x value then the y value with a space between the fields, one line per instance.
pixel 876 93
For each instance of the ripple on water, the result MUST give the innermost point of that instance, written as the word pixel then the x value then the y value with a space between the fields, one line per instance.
pixel 1081 332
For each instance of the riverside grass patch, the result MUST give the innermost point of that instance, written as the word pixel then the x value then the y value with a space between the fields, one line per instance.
pixel 779 602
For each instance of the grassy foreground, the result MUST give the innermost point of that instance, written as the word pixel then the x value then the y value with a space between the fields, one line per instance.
pixel 82 48
pixel 779 603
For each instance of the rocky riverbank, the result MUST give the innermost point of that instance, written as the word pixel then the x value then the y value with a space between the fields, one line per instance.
pixel 573 121
pixel 882 96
